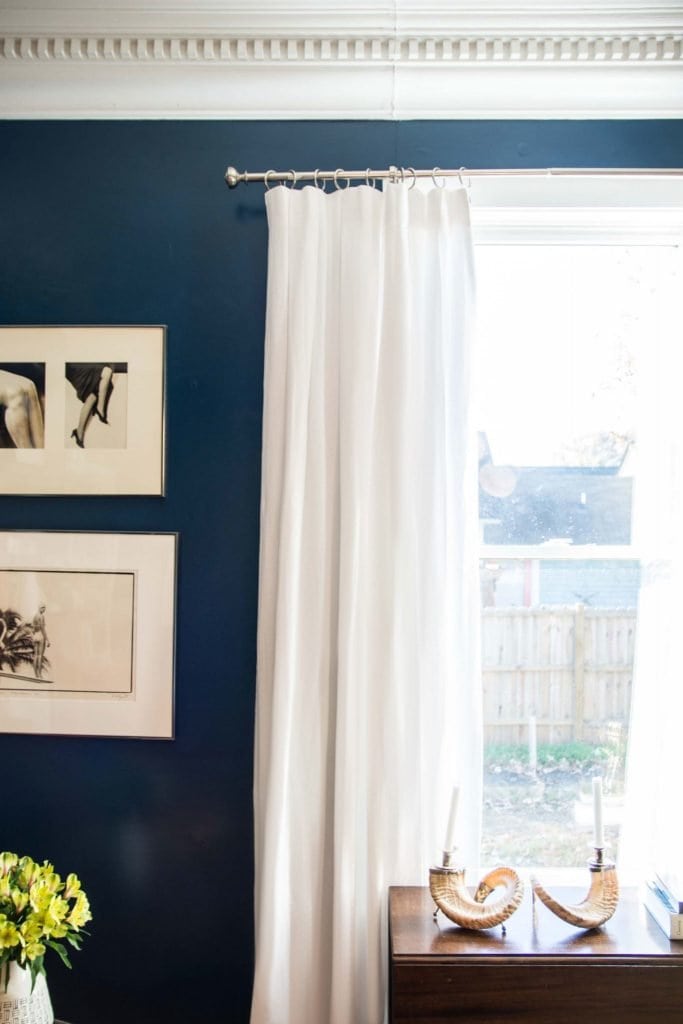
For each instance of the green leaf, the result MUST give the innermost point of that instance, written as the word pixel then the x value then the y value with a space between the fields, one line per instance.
pixel 36 967
pixel 60 951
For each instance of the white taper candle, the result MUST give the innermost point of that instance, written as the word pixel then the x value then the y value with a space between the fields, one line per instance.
pixel 598 834
pixel 450 831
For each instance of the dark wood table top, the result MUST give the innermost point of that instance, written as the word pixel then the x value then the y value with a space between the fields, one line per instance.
pixel 630 935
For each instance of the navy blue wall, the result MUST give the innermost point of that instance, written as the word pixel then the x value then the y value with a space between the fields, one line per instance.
pixel 115 223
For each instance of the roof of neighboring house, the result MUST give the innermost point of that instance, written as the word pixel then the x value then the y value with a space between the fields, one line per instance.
pixel 583 505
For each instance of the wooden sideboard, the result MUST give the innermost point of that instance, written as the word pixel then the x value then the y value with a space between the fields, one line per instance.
pixel 542 970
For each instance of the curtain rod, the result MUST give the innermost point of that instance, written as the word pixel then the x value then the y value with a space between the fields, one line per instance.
pixel 233 177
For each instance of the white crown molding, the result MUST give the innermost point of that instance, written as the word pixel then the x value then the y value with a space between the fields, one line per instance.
pixel 223 59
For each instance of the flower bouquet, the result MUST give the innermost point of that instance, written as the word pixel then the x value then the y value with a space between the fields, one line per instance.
pixel 38 911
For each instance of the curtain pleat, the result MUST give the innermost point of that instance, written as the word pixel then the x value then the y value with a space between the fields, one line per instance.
pixel 368 702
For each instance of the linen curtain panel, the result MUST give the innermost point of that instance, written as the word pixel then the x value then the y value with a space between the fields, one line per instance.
pixel 368 704
pixel 652 836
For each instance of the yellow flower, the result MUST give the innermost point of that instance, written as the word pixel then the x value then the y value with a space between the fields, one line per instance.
pixel 28 871
pixel 73 886
pixel 9 936
pixel 58 908
pixel 19 899
pixel 51 880
pixel 40 896
pixel 7 862
pixel 53 921
pixel 32 950
pixel 80 913
pixel 31 930
pixel 47 908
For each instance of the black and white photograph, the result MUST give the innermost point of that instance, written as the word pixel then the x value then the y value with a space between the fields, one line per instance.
pixel 87 633
pixel 69 631
pixel 22 405
pixel 82 410
pixel 96 404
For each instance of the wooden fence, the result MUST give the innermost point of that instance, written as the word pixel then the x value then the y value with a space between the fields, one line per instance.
pixel 569 668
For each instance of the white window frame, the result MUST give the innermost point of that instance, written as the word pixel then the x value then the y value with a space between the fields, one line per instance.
pixel 578 211
pixel 563 211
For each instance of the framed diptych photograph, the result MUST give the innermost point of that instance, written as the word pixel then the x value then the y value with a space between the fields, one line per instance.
pixel 82 410
pixel 87 633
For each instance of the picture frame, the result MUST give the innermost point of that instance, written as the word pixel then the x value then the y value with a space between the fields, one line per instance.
pixel 82 410
pixel 87 633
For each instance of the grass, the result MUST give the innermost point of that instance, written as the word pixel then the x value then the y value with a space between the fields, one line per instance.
pixel 573 758
pixel 575 754
pixel 529 818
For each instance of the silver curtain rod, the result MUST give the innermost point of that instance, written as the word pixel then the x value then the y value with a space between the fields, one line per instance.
pixel 233 177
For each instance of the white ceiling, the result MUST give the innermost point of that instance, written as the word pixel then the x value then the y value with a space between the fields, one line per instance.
pixel 335 58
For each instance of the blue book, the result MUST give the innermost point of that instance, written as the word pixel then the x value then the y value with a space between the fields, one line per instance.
pixel 671 888
pixel 668 920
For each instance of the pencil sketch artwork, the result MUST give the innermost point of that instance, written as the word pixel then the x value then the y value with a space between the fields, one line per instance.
pixel 96 404
pixel 66 631
pixel 22 405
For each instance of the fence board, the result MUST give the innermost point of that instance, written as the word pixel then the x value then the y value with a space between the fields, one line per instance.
pixel 570 667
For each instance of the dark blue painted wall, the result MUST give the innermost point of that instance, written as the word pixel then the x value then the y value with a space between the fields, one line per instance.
pixel 131 223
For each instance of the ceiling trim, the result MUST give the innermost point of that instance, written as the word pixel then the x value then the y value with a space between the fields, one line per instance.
pixel 560 60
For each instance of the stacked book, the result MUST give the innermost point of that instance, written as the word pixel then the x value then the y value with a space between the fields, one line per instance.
pixel 663 898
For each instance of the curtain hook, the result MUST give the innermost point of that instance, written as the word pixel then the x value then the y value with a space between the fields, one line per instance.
pixel 367 178
pixel 316 182
pixel 437 170
pixel 265 179
pixel 464 185
pixel 340 170
pixel 414 174
pixel 293 174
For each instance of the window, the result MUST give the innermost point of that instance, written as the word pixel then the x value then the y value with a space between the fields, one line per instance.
pixel 569 305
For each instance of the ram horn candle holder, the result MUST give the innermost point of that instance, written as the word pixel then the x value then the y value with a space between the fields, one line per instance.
pixel 454 900
pixel 600 902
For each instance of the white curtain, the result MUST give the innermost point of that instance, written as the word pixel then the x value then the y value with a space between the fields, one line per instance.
pixel 652 836
pixel 368 704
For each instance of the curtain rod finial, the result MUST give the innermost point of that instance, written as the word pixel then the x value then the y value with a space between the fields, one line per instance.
pixel 232 177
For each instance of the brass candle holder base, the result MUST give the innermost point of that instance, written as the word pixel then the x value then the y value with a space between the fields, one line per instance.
pixel 600 902
pixel 453 898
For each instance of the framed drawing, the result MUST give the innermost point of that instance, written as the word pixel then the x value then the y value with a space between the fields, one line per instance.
pixel 82 410
pixel 87 633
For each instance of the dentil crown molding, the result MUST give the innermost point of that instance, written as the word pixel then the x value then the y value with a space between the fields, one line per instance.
pixel 392 59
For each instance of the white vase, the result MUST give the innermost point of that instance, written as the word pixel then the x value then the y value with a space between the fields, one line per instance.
pixel 18 1005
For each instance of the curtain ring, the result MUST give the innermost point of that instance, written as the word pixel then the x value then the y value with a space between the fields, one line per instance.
pixel 265 179
pixel 465 186
pixel 293 173
pixel 414 174
pixel 367 178
pixel 340 170
pixel 436 171
pixel 316 182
